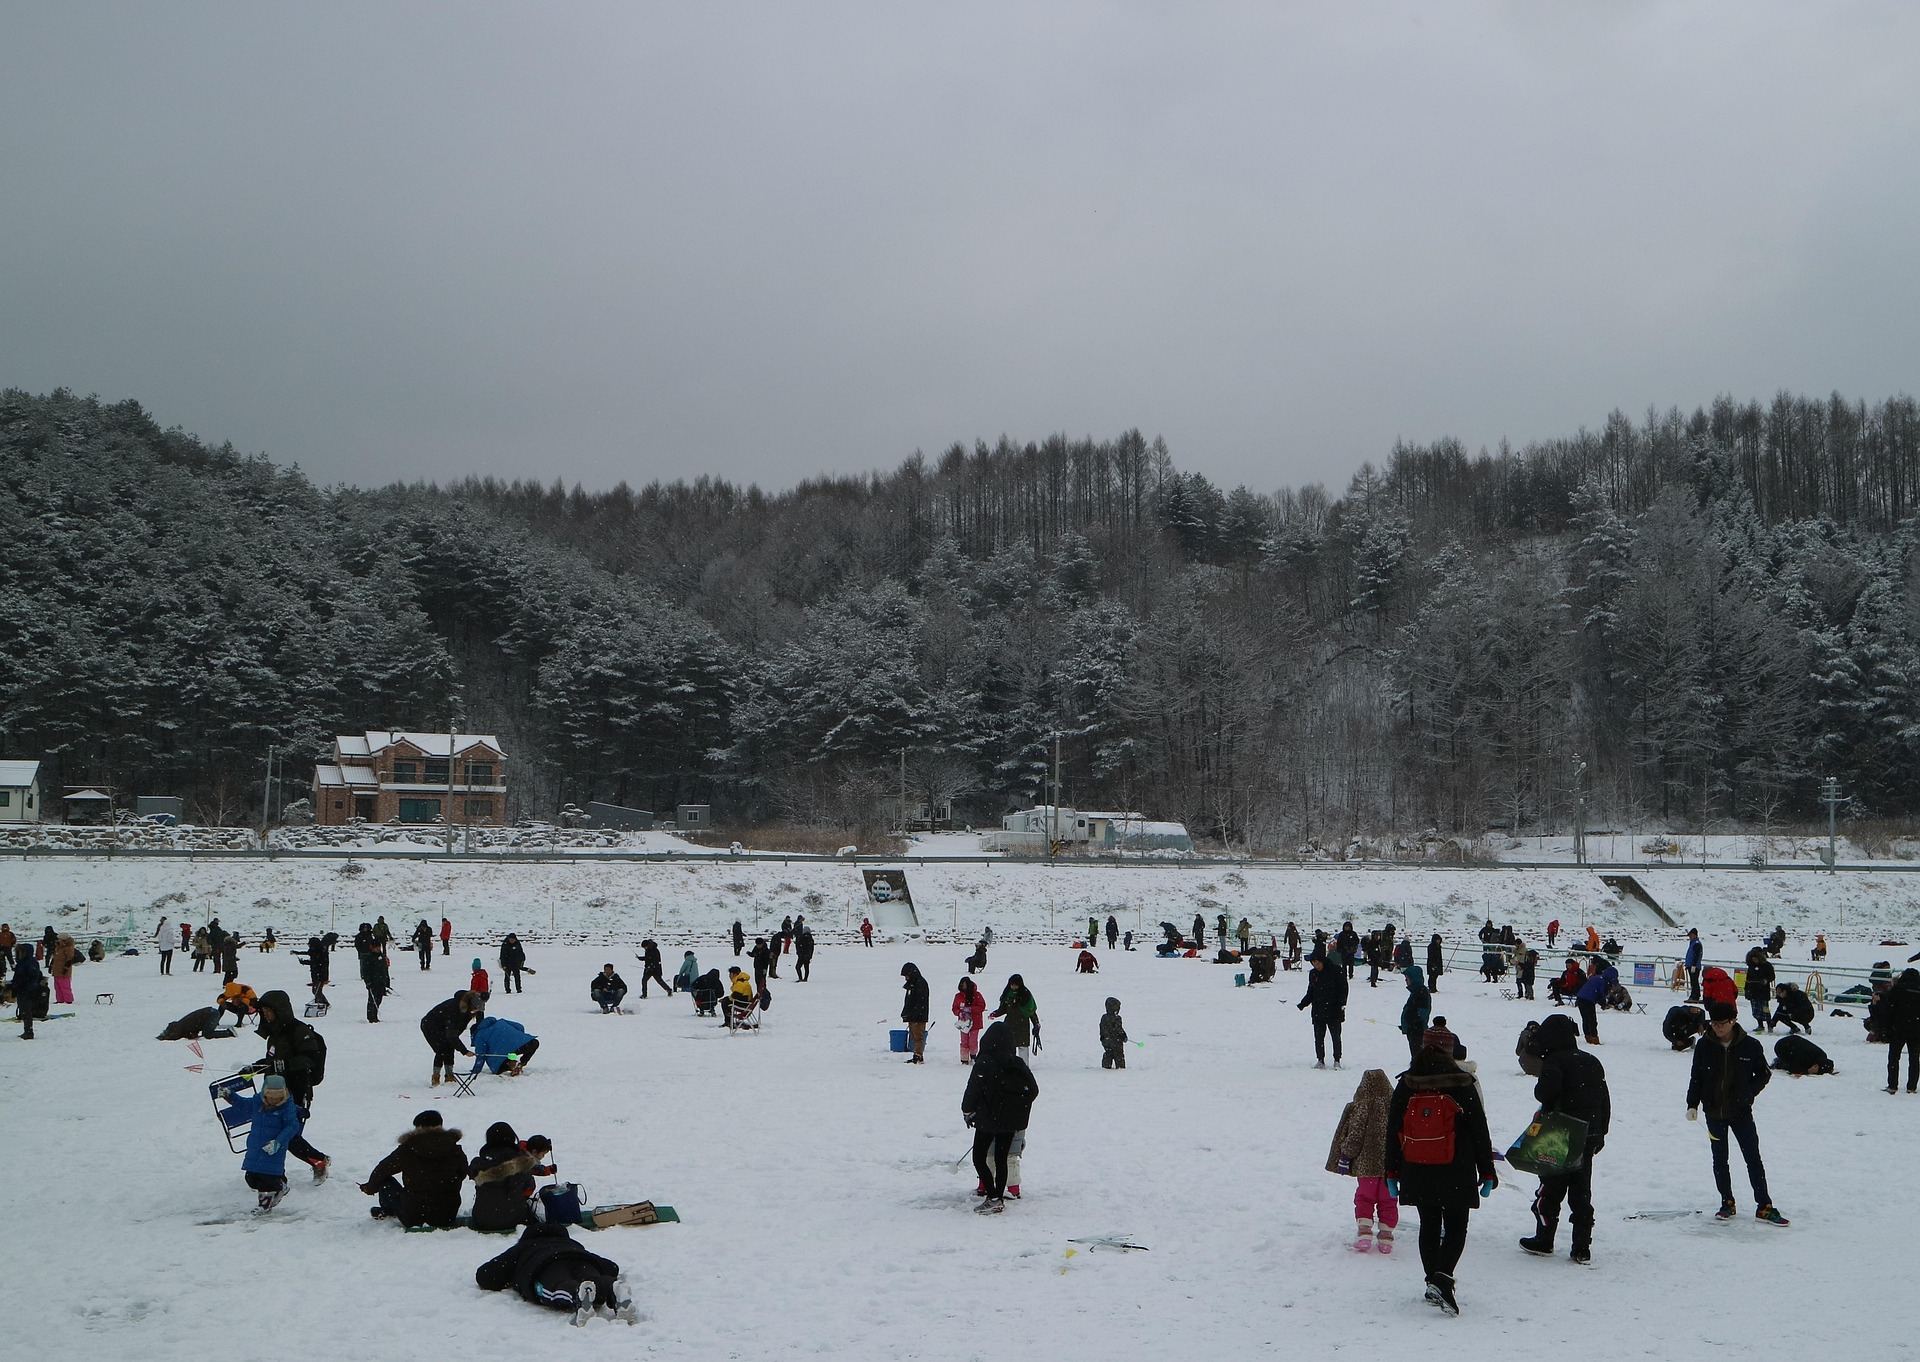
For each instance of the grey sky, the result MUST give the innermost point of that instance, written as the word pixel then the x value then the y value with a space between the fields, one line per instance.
pixel 623 241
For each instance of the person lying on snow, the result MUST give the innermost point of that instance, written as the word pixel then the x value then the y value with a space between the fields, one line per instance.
pixel 547 1267
pixel 419 1182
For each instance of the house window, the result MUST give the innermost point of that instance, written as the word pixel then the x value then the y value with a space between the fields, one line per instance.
pixel 479 773
pixel 405 772
pixel 436 773
pixel 339 804
pixel 479 808
pixel 6 799
pixel 419 811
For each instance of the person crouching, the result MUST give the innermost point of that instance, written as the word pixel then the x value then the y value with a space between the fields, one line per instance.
pixel 419 1182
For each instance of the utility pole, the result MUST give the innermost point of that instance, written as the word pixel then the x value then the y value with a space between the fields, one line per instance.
pixel 452 738
pixel 266 797
pixel 903 792
pixel 1579 815
pixel 1830 796
pixel 1054 841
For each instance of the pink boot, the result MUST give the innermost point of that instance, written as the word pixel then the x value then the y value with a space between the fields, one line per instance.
pixel 1384 1240
pixel 1363 1236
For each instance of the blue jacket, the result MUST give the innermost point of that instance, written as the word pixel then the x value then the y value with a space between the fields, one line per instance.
pixel 1419 1005
pixel 1694 954
pixel 272 1130
pixel 1598 986
pixel 494 1039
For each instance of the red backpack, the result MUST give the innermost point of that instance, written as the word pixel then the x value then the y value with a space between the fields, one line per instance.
pixel 1426 1129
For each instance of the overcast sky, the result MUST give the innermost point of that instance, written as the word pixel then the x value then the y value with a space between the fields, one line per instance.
pixel 627 242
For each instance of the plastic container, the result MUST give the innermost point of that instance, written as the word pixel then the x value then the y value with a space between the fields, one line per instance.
pixel 897 1041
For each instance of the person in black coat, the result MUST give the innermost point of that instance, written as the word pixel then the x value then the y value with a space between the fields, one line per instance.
pixel 607 988
pixel 1729 1071
pixel 1759 988
pixel 503 1181
pixel 1791 1006
pixel 1349 943
pixel 650 967
pixel 762 955
pixel 513 959
pixel 1327 996
pixel 802 952
pixel 914 1011
pixel 997 1105
pixel 1573 1083
pixel 547 1267
pixel 296 1052
pixel 1199 931
pixel 1436 963
pixel 1445 1193
pixel 1898 1017
pixel 419 1182
pixel 445 1027
pixel 1683 1025
pixel 374 972
pixel 319 964
pixel 739 939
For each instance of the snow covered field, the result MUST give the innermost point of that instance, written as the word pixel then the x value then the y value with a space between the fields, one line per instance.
pixel 824 1213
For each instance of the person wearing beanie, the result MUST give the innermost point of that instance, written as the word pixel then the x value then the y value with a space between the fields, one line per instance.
pixel 1439 1160
pixel 1327 995
pixel 1573 1083
pixel 1113 1037
pixel 1729 1072
pixel 1439 1037
pixel 607 988
pixel 275 1125
pixel 914 1010
pixel 296 1053
pixel 478 983
pixel 503 1181
pixel 419 1182
pixel 444 1028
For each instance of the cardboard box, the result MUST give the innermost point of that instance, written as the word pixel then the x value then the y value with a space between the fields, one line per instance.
pixel 639 1213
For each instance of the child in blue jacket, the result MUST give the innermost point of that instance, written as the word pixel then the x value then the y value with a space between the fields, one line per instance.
pixel 276 1121
pixel 500 1044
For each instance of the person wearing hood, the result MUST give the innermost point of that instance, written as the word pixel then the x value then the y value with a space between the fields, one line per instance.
pixel 914 1011
pixel 546 1266
pixel 423 944
pixel 1327 996
pixel 513 959
pixel 275 1126
pixel 650 967
pixel 503 1182
pixel 295 1052
pixel 1418 1007
pixel 1572 1083
pixel 1113 1037
pixel 444 1027
pixel 374 972
pixel 1729 1071
pixel 1359 1150
pixel 419 1182
pixel 1899 1019
pixel 29 989
pixel 319 969
pixel 1439 1160
pixel 1022 1015
pixel 684 976
pixel 802 951
pixel 739 938
pixel 1759 989
pixel 1436 962
pixel 504 1046
pixel 969 1017
pixel 60 962
pixel 997 1104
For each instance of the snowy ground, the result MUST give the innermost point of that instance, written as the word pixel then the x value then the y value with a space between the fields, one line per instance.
pixel 824 1214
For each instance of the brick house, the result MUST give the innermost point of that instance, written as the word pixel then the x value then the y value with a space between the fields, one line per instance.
pixel 386 777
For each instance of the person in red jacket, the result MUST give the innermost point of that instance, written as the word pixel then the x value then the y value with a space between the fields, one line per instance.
pixel 446 937
pixel 1716 985
pixel 970 1017
pixel 1553 932
pixel 866 930
pixel 480 983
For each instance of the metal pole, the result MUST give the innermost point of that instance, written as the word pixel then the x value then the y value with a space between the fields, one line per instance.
pixel 266 794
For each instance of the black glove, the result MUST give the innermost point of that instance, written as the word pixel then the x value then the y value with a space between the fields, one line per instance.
pixel 967 1116
pixel 1595 1145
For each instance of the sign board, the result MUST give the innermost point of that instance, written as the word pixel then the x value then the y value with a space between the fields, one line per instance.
pixel 887 886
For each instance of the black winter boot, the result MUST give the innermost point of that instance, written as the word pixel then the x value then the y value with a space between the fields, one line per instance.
pixel 1582 1250
pixel 1541 1240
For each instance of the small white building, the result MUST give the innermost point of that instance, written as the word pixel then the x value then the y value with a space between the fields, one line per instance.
pixel 19 792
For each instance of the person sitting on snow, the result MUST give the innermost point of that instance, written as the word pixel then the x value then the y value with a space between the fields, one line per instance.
pixel 419 1182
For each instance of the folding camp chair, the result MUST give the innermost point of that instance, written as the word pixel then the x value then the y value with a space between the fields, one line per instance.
pixel 232 1123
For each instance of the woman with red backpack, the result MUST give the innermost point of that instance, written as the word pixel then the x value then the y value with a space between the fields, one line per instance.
pixel 1439 1161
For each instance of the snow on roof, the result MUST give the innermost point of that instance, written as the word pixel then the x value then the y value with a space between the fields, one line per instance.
pixel 333 777
pixel 17 774
pixel 432 744
pixel 352 745
pixel 90 796
pixel 328 776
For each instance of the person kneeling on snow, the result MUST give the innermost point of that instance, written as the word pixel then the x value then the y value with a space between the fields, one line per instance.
pixel 419 1182
pixel 1683 1025
pixel 502 1046
pixel 1087 964
pixel 203 1023
pixel 276 1123
pixel 548 1268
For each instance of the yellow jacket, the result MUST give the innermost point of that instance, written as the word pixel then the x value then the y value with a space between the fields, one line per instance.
pixel 743 988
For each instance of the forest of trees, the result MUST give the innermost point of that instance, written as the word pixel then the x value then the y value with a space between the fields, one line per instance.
pixel 1685 621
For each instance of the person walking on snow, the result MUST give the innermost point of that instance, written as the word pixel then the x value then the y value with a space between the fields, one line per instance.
pixel 1729 1071
pixel 997 1105
pixel 374 972
pixel 446 936
pixel 650 967
pixel 423 944
pixel 1601 977
pixel 1696 952
pixel 296 1054
pixel 1359 1151
pixel 1416 1011
pixel 29 989
pixel 276 1124
pixel 1900 1017
pixel 1436 963
pixel 1327 996
pixel 1113 1037
pixel 866 932
pixel 739 939
pixel 914 1010
pixel 513 959
pixel 1439 1160
pixel 969 1018
pixel 1573 1083
pixel 162 940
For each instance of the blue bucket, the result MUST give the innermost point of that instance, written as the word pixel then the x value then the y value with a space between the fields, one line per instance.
pixel 897 1042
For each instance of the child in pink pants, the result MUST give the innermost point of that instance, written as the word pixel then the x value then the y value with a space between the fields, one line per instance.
pixel 969 1015
pixel 1360 1151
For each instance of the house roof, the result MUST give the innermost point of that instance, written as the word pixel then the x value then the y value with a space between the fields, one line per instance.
pixel 333 777
pixel 15 774
pixel 432 744
pixel 88 797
